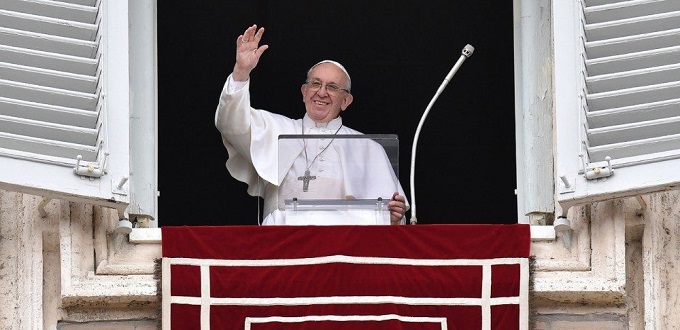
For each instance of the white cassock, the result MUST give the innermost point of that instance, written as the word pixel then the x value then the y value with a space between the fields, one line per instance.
pixel 251 137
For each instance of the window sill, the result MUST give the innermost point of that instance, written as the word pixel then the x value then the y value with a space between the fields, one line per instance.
pixel 542 233
pixel 145 236
pixel 153 235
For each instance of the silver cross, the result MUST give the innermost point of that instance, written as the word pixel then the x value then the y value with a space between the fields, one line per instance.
pixel 305 180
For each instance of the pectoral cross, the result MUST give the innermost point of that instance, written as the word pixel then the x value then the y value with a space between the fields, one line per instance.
pixel 305 180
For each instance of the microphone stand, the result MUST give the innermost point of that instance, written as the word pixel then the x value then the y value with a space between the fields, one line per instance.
pixel 467 52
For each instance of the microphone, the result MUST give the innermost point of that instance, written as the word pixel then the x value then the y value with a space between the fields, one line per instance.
pixel 467 52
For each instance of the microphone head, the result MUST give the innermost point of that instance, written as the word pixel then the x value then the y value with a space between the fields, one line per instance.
pixel 467 50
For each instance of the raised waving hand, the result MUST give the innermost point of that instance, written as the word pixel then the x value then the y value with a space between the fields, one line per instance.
pixel 248 52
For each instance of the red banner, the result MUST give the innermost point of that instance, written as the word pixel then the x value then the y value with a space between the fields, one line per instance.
pixel 346 277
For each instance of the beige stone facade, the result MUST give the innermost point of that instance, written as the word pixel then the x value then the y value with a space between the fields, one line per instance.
pixel 619 271
pixel 68 270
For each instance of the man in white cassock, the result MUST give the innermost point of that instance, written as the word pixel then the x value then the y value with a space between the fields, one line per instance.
pixel 315 168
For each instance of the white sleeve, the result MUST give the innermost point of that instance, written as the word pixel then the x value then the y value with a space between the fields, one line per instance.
pixel 250 136
pixel 233 85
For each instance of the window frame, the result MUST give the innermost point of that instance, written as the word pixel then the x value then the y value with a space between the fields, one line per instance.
pixel 571 186
pixel 564 117
pixel 123 26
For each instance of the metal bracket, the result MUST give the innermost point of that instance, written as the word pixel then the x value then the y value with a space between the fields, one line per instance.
pixel 567 185
pixel 563 225
pixel 92 170
pixel 597 172
pixel 118 188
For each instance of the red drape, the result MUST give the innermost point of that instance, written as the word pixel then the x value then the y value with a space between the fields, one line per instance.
pixel 346 277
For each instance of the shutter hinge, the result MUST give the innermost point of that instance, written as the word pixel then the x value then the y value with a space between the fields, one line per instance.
pixel 92 170
pixel 597 172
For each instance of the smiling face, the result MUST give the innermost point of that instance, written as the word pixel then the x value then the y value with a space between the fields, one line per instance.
pixel 326 92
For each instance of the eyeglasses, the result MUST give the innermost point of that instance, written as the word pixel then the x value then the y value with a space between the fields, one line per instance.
pixel 333 89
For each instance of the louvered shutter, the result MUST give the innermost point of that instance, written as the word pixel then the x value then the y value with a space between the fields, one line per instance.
pixel 617 76
pixel 64 99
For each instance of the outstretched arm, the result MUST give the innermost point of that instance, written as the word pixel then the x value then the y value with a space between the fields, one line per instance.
pixel 248 52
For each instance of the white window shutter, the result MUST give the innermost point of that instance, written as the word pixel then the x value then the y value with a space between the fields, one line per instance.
pixel 617 83
pixel 64 95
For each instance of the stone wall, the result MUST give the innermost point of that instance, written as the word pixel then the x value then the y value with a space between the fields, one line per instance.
pixel 619 271
pixel 69 268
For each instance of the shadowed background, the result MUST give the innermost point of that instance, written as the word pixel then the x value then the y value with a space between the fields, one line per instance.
pixel 397 54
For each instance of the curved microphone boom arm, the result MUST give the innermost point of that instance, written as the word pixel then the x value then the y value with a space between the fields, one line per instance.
pixel 467 52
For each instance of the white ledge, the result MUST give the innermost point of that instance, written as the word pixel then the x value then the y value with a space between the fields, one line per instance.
pixel 542 233
pixel 145 236
pixel 120 290
pixel 153 235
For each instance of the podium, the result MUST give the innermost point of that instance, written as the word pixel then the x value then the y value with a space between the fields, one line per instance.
pixel 422 277
pixel 337 179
